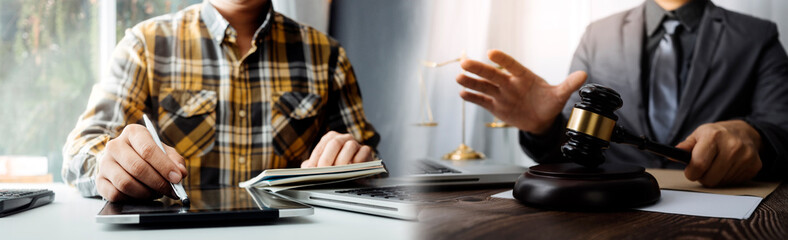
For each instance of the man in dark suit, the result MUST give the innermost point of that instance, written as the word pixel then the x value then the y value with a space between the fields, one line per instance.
pixel 691 74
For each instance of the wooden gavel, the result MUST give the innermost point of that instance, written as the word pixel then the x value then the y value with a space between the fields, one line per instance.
pixel 592 126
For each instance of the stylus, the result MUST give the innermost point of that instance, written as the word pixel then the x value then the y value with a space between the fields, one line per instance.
pixel 176 187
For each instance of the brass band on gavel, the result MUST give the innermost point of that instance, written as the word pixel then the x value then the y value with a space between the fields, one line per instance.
pixel 591 124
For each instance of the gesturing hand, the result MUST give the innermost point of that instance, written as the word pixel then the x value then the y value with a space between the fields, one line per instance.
pixel 337 149
pixel 134 167
pixel 723 153
pixel 520 97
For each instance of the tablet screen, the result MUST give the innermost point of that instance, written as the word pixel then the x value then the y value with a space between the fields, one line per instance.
pixel 224 203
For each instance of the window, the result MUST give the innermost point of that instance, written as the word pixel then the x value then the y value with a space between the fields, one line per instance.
pixel 131 12
pixel 50 53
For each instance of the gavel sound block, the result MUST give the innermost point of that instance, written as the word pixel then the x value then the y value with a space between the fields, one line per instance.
pixel 587 182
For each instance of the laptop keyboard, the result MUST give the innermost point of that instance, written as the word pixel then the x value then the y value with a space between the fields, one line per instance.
pixel 394 193
pixel 424 167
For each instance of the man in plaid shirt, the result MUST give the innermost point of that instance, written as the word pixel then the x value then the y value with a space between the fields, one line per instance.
pixel 233 87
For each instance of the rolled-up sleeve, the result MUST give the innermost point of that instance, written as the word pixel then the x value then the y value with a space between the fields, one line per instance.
pixel 117 100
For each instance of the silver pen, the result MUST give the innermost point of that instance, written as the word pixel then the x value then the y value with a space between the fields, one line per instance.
pixel 176 187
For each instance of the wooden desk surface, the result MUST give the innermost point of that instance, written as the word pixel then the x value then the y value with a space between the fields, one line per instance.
pixel 473 214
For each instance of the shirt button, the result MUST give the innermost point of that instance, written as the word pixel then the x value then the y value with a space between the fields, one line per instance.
pixel 242 113
pixel 241 160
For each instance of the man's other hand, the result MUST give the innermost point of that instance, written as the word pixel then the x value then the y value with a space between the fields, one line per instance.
pixel 723 153
pixel 338 149
pixel 134 167
pixel 519 97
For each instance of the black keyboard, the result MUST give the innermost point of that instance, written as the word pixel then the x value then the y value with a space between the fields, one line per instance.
pixel 424 167
pixel 17 200
pixel 393 193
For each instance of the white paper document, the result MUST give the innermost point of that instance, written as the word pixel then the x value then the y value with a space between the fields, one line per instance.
pixel 705 204
pixel 506 195
pixel 695 204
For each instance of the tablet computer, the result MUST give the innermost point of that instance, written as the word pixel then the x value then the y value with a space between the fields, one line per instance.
pixel 206 205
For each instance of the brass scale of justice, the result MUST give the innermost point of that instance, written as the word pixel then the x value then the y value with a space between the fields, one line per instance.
pixel 462 152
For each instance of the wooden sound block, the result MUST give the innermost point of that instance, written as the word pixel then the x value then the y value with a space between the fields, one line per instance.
pixel 569 186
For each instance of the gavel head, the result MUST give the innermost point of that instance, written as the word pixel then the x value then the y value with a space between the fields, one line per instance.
pixel 591 125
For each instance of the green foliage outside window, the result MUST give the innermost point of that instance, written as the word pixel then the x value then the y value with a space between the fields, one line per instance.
pixel 48 64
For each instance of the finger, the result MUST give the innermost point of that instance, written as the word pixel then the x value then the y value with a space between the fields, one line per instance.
pixel 108 191
pixel 738 169
pixel 481 85
pixel 133 164
pixel 124 182
pixel 341 138
pixel 743 164
pixel 703 155
pixel 717 172
pixel 572 83
pixel 736 153
pixel 318 150
pixel 347 153
pixel 364 154
pixel 485 70
pixel 478 99
pixel 330 153
pixel 148 150
pixel 177 159
pixel 753 169
pixel 509 63
pixel 308 164
pixel 688 143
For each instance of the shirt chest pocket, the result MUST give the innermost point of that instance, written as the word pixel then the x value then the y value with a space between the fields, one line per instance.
pixel 294 118
pixel 187 119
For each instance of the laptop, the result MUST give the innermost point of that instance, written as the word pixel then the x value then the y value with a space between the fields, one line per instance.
pixel 399 195
pixel 206 205
pixel 434 172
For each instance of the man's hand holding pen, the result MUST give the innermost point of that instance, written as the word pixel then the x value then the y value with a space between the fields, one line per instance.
pixel 134 167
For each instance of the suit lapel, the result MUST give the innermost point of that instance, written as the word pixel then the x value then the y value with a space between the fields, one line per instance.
pixel 632 35
pixel 705 46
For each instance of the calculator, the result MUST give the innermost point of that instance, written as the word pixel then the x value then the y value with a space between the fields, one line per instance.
pixel 17 200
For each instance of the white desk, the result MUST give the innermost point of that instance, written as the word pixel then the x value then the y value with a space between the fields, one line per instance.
pixel 71 216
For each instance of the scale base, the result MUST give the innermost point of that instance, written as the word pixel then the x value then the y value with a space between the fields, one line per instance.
pixel 426 124
pixel 569 186
pixel 463 152
pixel 497 125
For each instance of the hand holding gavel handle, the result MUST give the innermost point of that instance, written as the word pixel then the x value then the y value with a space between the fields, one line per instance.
pixel 620 135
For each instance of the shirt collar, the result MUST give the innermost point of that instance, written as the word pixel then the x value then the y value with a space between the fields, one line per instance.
pixel 688 15
pixel 218 26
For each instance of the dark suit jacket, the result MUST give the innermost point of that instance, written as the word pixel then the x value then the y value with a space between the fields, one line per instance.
pixel 739 71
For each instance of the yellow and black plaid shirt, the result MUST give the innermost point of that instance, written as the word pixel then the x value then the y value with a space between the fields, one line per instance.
pixel 230 115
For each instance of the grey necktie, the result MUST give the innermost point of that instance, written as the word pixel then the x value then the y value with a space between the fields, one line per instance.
pixel 664 82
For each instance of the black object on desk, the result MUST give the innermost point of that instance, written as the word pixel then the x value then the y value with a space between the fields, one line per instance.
pixel 17 200
pixel 569 186
pixel 207 205
pixel 589 183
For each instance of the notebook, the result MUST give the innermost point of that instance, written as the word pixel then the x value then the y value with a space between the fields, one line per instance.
pixel 279 179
